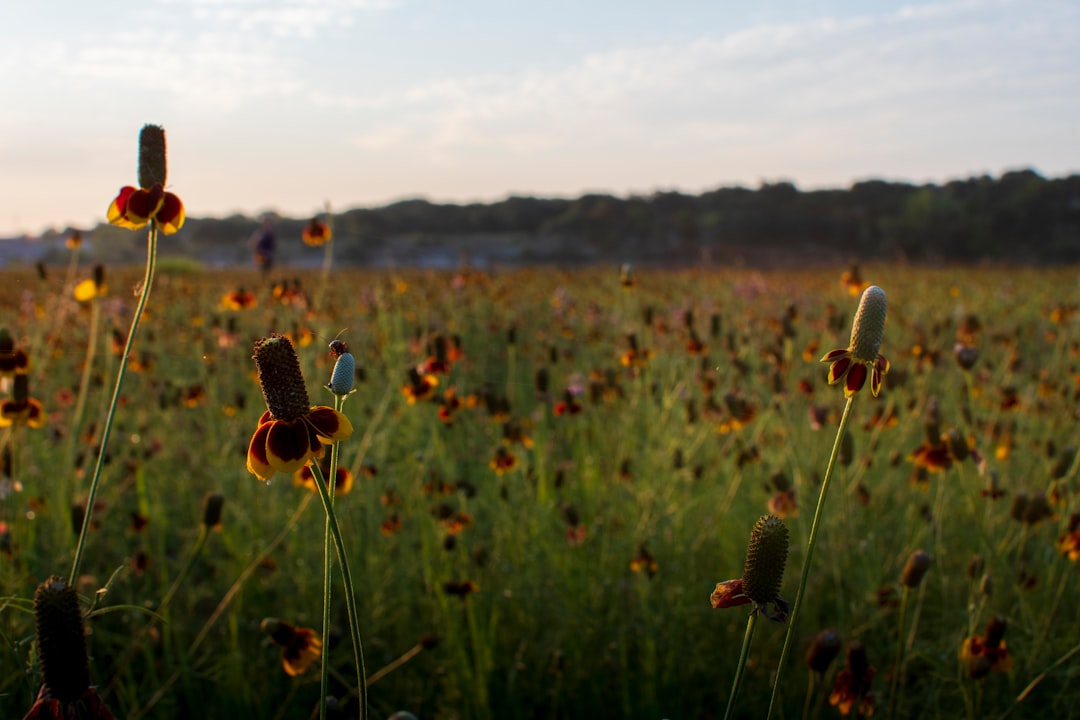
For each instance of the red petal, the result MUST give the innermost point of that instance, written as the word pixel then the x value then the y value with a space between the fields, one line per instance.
pixel 144 204
pixel 856 378
pixel 288 446
pixel 257 462
pixel 834 354
pixel 838 369
pixel 171 214
pixel 329 423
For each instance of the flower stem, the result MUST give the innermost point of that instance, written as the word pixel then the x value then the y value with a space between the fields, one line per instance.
pixel 810 543
pixel 148 279
pixel 739 670
pixel 328 562
pixel 88 366
pixel 347 581
pixel 898 668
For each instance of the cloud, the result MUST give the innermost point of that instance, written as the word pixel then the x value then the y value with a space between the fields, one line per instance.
pixel 835 82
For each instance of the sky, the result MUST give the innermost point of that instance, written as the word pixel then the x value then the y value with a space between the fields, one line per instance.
pixel 288 105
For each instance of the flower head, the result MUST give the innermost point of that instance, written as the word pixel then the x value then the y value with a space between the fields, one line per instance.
pixel 12 360
pixel 316 233
pixel 291 432
pixel 300 647
pixel 861 357
pixel 134 208
pixel 987 653
pixel 21 409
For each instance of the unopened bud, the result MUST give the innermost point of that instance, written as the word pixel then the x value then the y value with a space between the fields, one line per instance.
pixel 915 568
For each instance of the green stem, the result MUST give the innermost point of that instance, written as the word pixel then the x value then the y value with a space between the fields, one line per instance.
pixel 148 279
pixel 350 592
pixel 328 563
pixel 739 671
pixel 811 542
pixel 88 366
pixel 898 668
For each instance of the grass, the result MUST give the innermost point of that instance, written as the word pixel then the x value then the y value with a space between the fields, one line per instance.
pixel 535 616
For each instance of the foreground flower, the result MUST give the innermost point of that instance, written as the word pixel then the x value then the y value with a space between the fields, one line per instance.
pixel 1068 544
pixel 134 208
pixel 763 572
pixel 66 693
pixel 861 357
pixel 300 647
pixel 291 432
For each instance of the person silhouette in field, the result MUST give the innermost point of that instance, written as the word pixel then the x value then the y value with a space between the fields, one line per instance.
pixel 263 242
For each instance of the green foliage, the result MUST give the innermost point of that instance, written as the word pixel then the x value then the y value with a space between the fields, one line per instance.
pixel 591 561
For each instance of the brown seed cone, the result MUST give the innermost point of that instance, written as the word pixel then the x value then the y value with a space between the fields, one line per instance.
pixel 152 170
pixel 868 330
pixel 765 560
pixel 915 568
pixel 61 640
pixel 280 378
pixel 212 505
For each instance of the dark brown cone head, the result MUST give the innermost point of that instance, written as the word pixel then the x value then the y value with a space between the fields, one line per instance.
pixel 765 560
pixel 61 640
pixel 823 650
pixel 212 506
pixel 20 390
pixel 152 169
pixel 281 632
pixel 7 343
pixel 280 378
pixel 915 568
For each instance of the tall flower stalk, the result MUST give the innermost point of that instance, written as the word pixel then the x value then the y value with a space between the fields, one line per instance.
pixel 290 435
pixel 852 365
pixel 135 208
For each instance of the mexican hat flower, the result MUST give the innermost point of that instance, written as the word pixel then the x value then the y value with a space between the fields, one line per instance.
pixel 861 357
pixel 292 432
pixel 134 208
pixel 300 647
pixel 66 691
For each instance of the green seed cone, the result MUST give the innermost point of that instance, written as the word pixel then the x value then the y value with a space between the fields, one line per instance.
pixel 765 560
pixel 869 327
pixel 61 640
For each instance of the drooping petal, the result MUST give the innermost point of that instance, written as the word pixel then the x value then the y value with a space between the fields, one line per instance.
pixel 117 213
pixel 856 378
pixel 330 424
pixel 142 205
pixel 265 418
pixel 257 462
pixel 832 355
pixel 170 216
pixel 729 594
pixel 838 369
pixel 288 446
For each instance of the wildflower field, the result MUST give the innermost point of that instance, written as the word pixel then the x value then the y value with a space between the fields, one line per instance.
pixel 549 472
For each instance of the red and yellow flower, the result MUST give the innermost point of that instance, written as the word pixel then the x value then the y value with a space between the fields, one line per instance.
pixel 21 409
pixel 134 208
pixel 316 233
pixel 291 433
pixel 300 647
pixel 987 653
